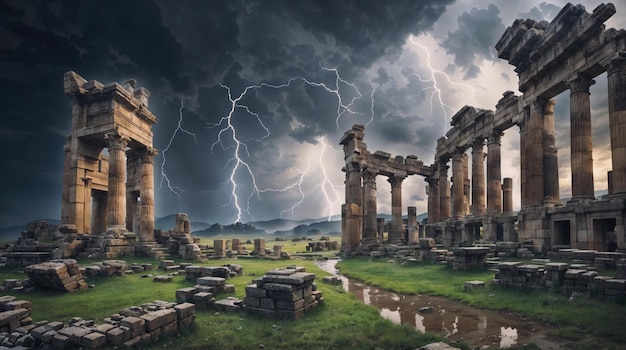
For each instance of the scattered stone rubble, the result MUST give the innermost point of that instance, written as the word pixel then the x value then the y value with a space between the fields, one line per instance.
pixel 563 277
pixel 130 327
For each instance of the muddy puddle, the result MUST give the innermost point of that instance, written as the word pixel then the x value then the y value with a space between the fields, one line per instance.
pixel 454 320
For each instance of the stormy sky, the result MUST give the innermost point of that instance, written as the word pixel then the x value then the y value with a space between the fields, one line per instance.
pixel 253 96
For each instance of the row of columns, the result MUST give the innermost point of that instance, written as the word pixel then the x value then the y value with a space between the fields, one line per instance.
pixel 116 194
pixel 360 209
pixel 445 201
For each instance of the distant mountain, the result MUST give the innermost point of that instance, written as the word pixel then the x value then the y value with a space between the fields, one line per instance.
pixel 275 225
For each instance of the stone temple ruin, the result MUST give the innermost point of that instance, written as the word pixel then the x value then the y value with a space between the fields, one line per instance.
pixel 565 54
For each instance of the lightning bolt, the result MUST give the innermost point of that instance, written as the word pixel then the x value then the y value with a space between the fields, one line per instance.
pixel 326 185
pixel 179 128
pixel 240 146
pixel 437 94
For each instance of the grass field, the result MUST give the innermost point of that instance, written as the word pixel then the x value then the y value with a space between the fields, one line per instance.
pixel 341 323
pixel 577 318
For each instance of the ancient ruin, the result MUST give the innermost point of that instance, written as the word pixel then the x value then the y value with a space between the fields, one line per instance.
pixel 549 58
pixel 108 181
pixel 359 225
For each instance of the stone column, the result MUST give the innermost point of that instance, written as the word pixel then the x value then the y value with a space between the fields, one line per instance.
pixel 617 121
pixel 433 199
pixel 412 227
pixel 116 200
pixel 146 193
pixel 397 229
pixel 522 157
pixel 466 185
pixel 550 154
pixel 507 195
pixel 494 173
pixel 580 134
pixel 87 208
pixel 478 177
pixel 457 185
pixel 369 207
pixel 354 207
pixel 534 154
pixel 444 191
pixel 343 227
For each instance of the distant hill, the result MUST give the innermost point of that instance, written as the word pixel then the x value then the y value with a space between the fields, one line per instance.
pixel 280 225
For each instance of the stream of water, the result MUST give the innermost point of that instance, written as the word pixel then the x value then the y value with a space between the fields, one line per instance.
pixel 456 321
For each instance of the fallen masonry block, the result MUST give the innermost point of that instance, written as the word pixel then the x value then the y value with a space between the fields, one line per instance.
pixel 62 274
pixel 163 278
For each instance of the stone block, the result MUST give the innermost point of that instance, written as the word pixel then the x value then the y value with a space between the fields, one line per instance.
pixel 296 278
pixel 216 271
pixel 229 304
pixel 169 328
pixel 509 265
pixel 132 343
pixel 286 296
pixel 103 328
pixel 158 319
pixel 211 281
pixel 253 291
pixel 574 274
pixel 617 284
pixel 471 285
pixel 60 341
pixel 186 294
pixel 268 303
pixel 252 301
pixel 185 310
pixel 118 335
pixel 290 314
pixel 93 340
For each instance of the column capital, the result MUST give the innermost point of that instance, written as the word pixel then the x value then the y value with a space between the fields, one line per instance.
pixel 147 154
pixel 478 144
pixel 579 83
pixel 396 180
pixel 116 140
pixel 495 137
pixel 369 175
pixel 431 180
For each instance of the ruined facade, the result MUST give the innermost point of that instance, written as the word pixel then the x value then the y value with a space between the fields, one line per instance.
pixel 108 180
pixel 549 58
pixel 360 229
pixel 565 54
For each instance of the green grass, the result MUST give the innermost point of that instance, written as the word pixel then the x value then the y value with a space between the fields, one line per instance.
pixel 575 319
pixel 342 322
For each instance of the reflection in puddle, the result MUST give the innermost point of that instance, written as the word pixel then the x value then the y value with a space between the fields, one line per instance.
pixel 452 319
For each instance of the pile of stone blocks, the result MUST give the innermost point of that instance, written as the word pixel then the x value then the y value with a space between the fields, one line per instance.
pixel 130 327
pixel 62 274
pixel 322 246
pixel 14 315
pixel 507 249
pixel 184 246
pixel 285 293
pixel 203 293
pixel 561 277
pixel 466 258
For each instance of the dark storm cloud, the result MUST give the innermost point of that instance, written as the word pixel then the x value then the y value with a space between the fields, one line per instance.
pixel 478 30
pixel 184 50
pixel 544 11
